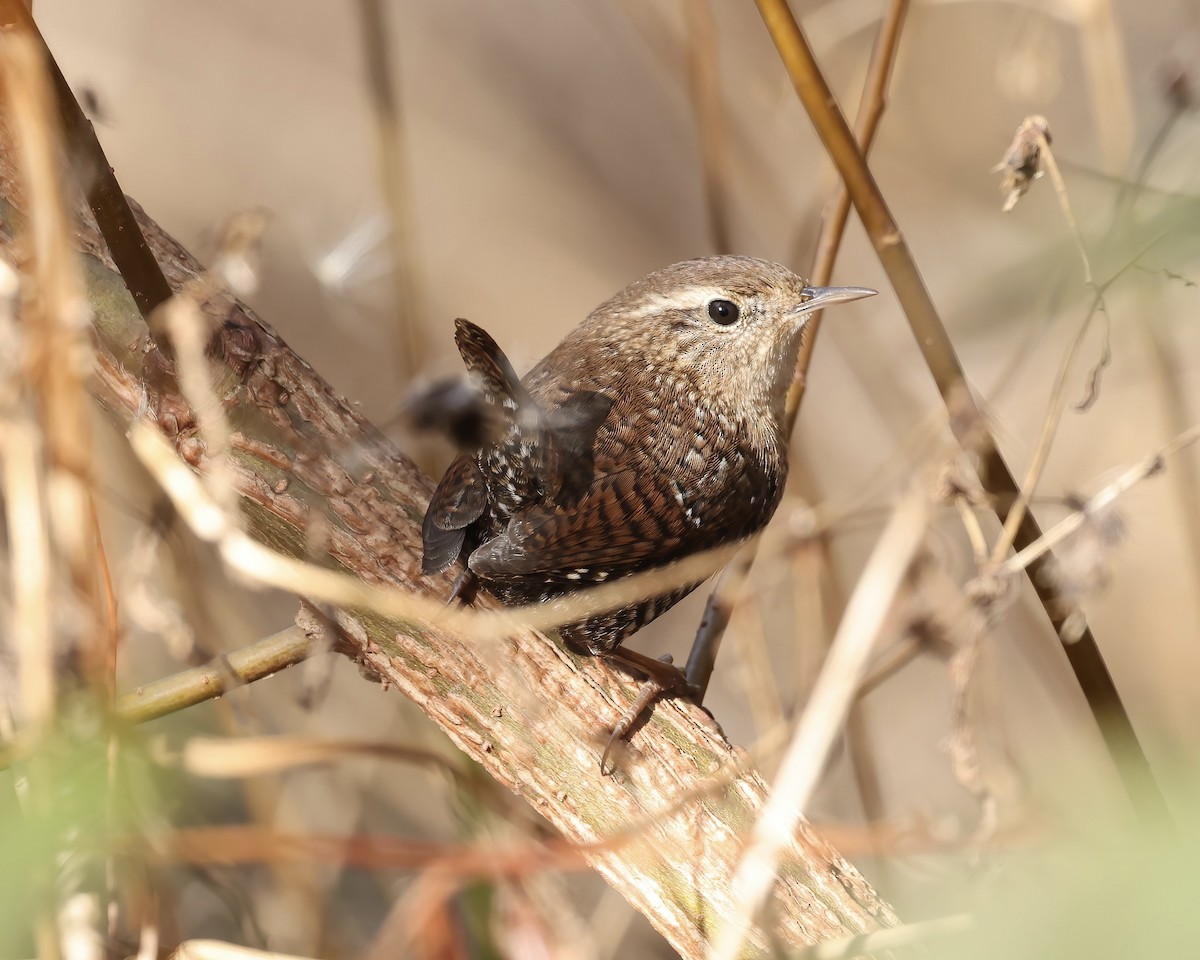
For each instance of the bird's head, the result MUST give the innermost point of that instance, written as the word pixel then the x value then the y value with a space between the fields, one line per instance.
pixel 726 327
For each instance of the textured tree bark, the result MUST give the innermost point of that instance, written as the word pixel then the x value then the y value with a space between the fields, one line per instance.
pixel 528 711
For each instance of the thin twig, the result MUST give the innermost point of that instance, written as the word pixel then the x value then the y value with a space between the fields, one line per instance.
pixel 150 701
pixel 255 756
pixel 1149 467
pixel 712 131
pixel 966 419
pixel 389 128
pixel 1041 454
pixel 220 950
pixel 264 566
pixel 48 494
pixel 1016 512
pixel 835 690
pixel 185 327
pixel 30 555
pixel 257 660
pixel 833 225
pixel 719 608
pixel 974 531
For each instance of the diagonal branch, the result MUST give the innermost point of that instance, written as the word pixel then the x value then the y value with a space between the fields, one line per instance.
pixel 302 460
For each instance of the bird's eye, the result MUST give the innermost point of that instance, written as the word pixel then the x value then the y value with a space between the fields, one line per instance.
pixel 723 312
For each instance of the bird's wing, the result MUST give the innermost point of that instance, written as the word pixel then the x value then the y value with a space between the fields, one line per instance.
pixel 624 522
pixel 458 501
pixel 553 453
pixel 573 425
pixel 629 521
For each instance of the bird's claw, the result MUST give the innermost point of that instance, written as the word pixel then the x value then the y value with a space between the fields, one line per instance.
pixel 660 682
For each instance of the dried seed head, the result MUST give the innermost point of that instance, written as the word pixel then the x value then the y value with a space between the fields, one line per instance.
pixel 1022 163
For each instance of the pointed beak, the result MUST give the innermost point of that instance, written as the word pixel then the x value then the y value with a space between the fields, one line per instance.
pixel 818 298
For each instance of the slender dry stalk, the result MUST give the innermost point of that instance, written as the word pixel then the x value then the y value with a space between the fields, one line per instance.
pixel 712 131
pixel 94 175
pixel 46 449
pixel 257 660
pixel 719 608
pixel 255 756
pixel 219 950
pixel 871 108
pixel 832 695
pixel 52 482
pixel 263 566
pixel 393 178
pixel 1054 410
pixel 186 328
pixel 31 555
pixel 1100 501
pixel 966 419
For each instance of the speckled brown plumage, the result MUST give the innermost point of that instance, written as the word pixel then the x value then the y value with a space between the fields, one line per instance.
pixel 653 431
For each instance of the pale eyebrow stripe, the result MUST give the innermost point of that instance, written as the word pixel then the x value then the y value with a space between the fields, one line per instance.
pixel 684 300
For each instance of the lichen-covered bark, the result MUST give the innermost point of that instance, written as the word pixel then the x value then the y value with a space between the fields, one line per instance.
pixel 528 711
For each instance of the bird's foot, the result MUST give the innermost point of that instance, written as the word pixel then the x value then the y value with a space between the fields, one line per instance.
pixel 663 679
pixel 465 589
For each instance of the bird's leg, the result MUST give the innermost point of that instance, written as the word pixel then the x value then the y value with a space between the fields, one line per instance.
pixel 465 589
pixel 663 678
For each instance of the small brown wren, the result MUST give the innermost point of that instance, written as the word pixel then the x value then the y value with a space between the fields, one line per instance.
pixel 655 430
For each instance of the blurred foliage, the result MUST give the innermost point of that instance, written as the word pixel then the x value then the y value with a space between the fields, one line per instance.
pixel 84 791
pixel 1090 890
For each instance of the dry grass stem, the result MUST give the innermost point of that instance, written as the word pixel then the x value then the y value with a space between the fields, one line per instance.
pixel 975 535
pixel 95 177
pixel 186 327
pixel 835 690
pixel 966 754
pixel 1036 128
pixel 837 209
pixel 255 756
pixel 874 98
pixel 393 178
pixel 31 555
pixel 219 950
pixel 1064 202
pixel 257 660
pixel 966 419
pixel 48 459
pixel 1053 418
pixel 712 130
pixel 263 566
pixel 1149 467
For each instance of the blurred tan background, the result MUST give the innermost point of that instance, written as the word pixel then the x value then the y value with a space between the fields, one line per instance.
pixel 551 157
